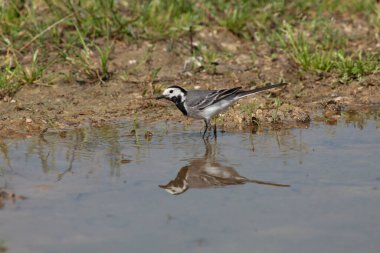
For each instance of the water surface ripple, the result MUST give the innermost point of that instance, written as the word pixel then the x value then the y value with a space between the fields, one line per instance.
pixel 111 189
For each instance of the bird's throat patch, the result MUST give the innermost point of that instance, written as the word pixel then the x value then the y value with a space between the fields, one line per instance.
pixel 181 107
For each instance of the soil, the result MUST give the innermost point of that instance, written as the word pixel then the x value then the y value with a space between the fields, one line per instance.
pixel 130 92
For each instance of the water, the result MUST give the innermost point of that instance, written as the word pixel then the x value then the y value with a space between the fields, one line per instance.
pixel 97 190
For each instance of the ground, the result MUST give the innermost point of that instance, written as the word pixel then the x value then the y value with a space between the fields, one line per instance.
pixel 327 59
pixel 36 108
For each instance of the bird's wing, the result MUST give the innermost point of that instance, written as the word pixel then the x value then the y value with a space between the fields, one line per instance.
pixel 201 99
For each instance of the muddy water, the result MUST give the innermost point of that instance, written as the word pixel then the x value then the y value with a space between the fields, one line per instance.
pixel 107 190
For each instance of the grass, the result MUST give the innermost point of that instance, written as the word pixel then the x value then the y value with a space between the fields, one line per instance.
pixel 235 17
pixel 165 18
pixel 92 60
pixel 312 56
pixel 82 32
pixel 104 56
pixel 303 52
pixel 356 66
pixel 277 103
pixel 249 109
pixel 32 73
pixel 8 86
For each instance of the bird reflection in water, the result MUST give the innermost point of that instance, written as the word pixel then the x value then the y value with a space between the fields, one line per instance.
pixel 207 173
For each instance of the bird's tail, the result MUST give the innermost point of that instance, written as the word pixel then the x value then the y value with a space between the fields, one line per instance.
pixel 268 183
pixel 267 87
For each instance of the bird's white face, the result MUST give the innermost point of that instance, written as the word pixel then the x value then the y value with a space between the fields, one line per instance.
pixel 173 94
pixel 177 95
pixel 176 186
pixel 174 190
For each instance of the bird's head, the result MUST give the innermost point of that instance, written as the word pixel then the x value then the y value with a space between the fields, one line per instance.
pixel 175 189
pixel 174 93
pixel 178 185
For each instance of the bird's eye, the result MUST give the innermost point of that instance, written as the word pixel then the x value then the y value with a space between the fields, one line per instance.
pixel 170 91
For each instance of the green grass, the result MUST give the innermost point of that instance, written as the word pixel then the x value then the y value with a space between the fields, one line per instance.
pixel 356 66
pixel 277 103
pixel 8 85
pixel 104 56
pixel 91 61
pixel 236 17
pixel 249 109
pixel 165 18
pixel 311 56
pixel 32 73
pixel 81 32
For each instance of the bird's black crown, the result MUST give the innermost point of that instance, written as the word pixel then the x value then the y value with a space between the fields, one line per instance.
pixel 180 88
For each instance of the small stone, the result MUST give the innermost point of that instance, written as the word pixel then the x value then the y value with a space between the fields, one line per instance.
pixel 148 135
pixel 193 63
pixel 28 120
pixel 231 47
pixel 244 59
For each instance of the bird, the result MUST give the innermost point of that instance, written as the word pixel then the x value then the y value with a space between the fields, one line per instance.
pixel 205 172
pixel 205 104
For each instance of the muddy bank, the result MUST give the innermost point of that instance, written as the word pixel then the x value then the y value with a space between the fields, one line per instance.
pixel 141 71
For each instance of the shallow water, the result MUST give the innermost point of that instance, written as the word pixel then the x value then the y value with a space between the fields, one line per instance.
pixel 97 190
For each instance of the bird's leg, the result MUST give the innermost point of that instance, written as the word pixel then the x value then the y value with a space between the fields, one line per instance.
pixel 207 127
pixel 215 135
pixel 205 140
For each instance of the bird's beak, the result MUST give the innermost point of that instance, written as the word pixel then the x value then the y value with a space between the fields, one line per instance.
pixel 160 97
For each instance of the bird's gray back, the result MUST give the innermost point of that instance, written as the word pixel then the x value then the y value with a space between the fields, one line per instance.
pixel 196 97
pixel 203 98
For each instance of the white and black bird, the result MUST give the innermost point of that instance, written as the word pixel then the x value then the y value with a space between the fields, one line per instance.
pixel 204 104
